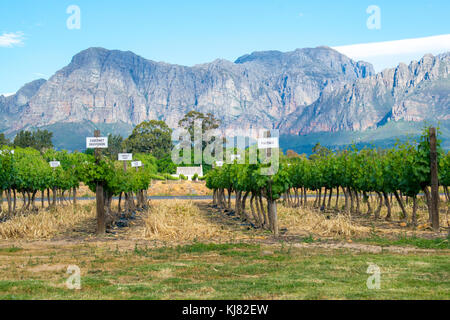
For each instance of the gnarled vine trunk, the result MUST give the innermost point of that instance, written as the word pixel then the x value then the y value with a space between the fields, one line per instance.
pixel 388 206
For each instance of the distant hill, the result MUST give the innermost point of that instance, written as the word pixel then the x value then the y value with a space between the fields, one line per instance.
pixel 382 137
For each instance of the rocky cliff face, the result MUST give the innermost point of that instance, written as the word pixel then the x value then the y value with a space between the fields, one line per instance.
pixel 13 107
pixel 261 88
pixel 307 90
pixel 418 92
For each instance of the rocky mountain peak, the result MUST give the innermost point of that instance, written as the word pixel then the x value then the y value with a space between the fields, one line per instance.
pixel 13 103
pixel 91 56
pixel 302 91
pixel 318 59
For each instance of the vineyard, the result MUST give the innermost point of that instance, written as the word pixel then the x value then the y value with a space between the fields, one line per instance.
pixel 364 180
pixel 400 174
pixel 25 174
pixel 306 231
pixel 231 188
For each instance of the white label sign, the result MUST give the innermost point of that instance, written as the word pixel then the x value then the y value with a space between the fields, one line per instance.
pixel 268 143
pixel 100 142
pixel 136 164
pixel 55 164
pixel 219 163
pixel 125 156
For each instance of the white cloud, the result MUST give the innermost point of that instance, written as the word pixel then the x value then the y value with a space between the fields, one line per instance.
pixel 38 74
pixel 388 54
pixel 7 94
pixel 11 39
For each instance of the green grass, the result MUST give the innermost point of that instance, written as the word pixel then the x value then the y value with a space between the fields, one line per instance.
pixel 310 239
pixel 221 271
pixel 196 247
pixel 437 243
pixel 10 249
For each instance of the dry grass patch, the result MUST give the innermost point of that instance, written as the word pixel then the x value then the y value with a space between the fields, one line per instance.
pixel 300 220
pixel 45 224
pixel 178 188
pixel 180 221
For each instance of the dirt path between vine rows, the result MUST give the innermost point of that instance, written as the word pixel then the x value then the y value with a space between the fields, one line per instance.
pixel 130 236
pixel 232 221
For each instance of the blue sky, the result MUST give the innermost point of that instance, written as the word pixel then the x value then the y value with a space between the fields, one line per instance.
pixel 35 41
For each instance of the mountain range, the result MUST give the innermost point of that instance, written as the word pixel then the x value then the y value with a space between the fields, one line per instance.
pixel 305 92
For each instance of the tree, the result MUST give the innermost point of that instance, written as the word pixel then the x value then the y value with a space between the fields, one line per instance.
pixel 292 154
pixel 24 139
pixel 320 151
pixel 154 137
pixel 115 146
pixel 3 140
pixel 166 165
pixel 42 140
pixel 209 122
pixel 39 140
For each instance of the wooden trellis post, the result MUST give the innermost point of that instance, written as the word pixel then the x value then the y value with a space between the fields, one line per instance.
pixel 434 181
pixel 101 219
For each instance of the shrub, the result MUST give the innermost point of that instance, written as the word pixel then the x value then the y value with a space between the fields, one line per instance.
pixel 170 177
pixel 157 177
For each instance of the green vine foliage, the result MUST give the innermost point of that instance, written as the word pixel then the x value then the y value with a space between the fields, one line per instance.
pixel 404 168
pixel 27 170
